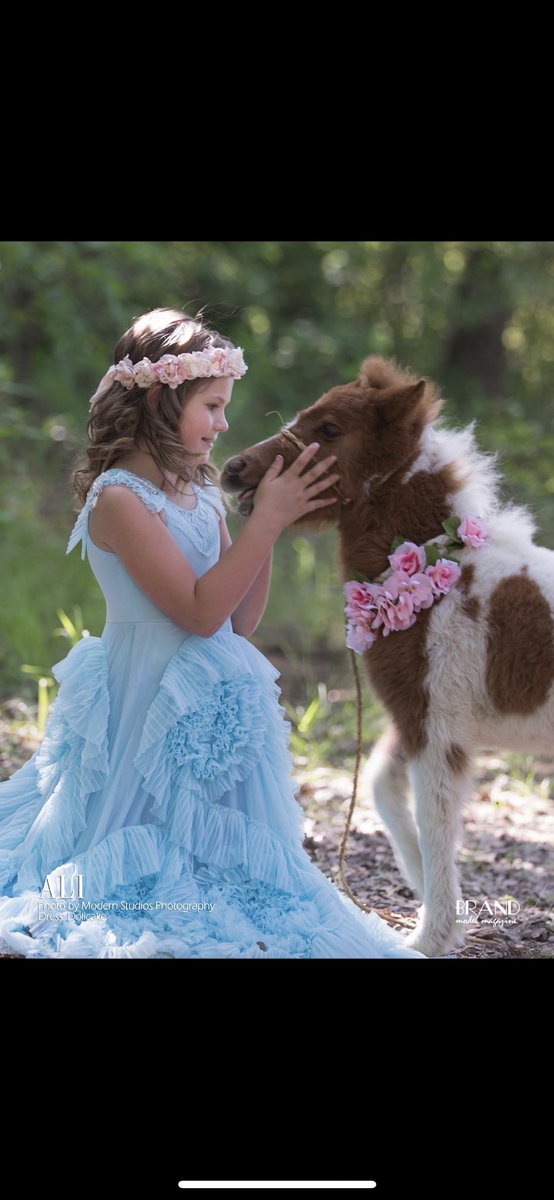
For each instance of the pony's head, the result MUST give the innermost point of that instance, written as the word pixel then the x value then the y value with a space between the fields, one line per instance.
pixel 373 425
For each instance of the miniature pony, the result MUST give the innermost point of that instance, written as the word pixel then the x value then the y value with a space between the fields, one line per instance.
pixel 475 669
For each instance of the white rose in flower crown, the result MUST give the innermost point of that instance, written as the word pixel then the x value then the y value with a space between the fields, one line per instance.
pixel 235 362
pixel 124 373
pixel 144 373
pixel 169 370
pixel 198 365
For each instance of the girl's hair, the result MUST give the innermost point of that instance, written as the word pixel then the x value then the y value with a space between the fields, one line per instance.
pixel 122 417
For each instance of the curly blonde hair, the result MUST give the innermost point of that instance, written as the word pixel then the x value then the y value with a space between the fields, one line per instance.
pixel 122 417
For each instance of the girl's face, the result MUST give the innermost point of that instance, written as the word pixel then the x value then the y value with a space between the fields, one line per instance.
pixel 204 416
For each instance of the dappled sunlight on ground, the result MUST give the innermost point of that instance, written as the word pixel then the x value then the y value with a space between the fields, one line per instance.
pixel 507 851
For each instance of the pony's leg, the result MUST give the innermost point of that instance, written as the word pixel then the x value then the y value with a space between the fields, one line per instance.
pixel 440 783
pixel 385 778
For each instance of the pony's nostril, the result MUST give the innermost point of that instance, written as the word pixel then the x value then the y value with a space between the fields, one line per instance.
pixel 234 466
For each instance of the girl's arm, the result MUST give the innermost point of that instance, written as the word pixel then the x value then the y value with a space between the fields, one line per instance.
pixel 249 612
pixel 154 561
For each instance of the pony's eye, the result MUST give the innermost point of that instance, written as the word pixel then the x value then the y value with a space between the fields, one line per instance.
pixel 329 431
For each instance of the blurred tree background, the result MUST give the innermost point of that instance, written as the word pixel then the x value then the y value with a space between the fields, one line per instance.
pixel 478 317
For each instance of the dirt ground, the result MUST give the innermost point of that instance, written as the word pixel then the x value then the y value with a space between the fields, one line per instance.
pixel 507 852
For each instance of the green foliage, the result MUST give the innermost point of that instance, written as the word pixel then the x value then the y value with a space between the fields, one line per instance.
pixel 323 718
pixel 477 317
pixel 433 554
pixel 46 688
pixel 73 631
pixel 451 528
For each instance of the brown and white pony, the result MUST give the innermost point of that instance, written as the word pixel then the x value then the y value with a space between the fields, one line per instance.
pixel 476 669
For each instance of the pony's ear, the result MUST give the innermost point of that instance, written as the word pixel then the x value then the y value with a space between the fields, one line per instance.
pixel 405 404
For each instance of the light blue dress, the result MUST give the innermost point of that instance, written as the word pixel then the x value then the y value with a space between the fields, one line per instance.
pixel 158 818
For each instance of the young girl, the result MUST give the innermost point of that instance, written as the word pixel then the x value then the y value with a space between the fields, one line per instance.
pixel 158 817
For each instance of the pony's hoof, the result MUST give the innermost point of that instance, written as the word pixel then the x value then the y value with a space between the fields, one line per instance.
pixel 431 946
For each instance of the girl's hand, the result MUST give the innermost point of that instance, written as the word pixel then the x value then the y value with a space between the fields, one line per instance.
pixel 287 497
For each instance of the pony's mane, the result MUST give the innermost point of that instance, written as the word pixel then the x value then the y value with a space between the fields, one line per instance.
pixel 480 476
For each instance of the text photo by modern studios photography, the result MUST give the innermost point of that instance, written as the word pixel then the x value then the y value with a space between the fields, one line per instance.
pixel 277 620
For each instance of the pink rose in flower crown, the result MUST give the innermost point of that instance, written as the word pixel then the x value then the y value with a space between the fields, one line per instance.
pixel 443 575
pixel 169 370
pixel 473 532
pixel 218 356
pixel 408 557
pixel 124 373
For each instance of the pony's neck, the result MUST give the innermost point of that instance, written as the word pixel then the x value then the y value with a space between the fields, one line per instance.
pixel 449 475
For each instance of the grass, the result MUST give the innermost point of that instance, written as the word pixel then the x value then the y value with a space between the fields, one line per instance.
pixel 322 714
pixel 523 776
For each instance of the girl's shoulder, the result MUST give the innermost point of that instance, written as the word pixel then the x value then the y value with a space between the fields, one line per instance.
pixel 151 496
pixel 154 499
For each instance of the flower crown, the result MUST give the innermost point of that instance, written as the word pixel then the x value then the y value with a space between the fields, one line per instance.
pixel 173 369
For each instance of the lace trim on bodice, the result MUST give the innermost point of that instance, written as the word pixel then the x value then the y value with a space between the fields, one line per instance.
pixel 198 524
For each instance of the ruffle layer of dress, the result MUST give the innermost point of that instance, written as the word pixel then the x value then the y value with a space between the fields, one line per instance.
pixel 217 869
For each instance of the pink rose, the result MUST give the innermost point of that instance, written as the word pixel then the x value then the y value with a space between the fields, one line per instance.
pixel 420 589
pixel 395 608
pixel 355 592
pixel 362 599
pixel 124 373
pixel 408 557
pixel 443 575
pixel 218 356
pixel 169 370
pixel 359 639
pixel 473 532
pixel 395 615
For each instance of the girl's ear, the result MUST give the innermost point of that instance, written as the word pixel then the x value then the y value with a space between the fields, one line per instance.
pixel 403 405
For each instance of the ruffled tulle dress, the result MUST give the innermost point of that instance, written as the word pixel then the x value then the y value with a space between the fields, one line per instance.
pixel 158 818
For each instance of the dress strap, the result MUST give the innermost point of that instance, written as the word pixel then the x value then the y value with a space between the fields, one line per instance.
pixel 150 495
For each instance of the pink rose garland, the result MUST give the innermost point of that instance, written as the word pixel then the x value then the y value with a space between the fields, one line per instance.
pixel 410 585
